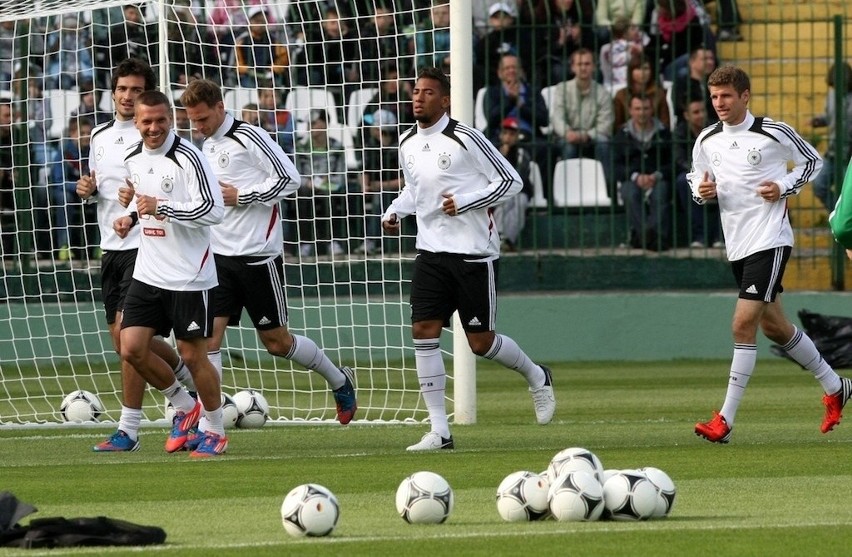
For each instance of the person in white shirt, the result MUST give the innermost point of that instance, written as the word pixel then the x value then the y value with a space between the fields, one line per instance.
pixel 454 177
pixel 254 175
pixel 106 163
pixel 742 162
pixel 175 202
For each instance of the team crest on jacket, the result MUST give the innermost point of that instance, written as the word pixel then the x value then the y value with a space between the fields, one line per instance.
pixel 409 162
pixel 716 159
pixel 444 161
pixel 99 154
pixel 167 185
pixel 223 160
pixel 754 157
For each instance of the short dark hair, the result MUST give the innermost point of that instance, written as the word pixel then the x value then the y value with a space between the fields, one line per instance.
pixel 137 67
pixel 730 75
pixel 201 91
pixel 438 75
pixel 154 98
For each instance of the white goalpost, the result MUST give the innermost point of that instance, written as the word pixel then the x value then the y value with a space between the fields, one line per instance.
pixel 347 284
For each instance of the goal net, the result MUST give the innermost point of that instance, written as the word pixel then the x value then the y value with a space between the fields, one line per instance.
pixel 293 68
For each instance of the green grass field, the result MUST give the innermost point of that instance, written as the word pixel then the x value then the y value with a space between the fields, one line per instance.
pixel 779 488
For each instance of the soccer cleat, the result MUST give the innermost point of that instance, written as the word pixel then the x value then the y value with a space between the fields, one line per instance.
pixel 211 445
pixel 345 398
pixel 193 439
pixel 834 405
pixel 181 425
pixel 716 430
pixel 118 442
pixel 432 442
pixel 543 399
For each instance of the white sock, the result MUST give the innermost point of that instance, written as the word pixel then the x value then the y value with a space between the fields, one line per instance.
pixel 214 421
pixel 433 382
pixel 802 349
pixel 179 398
pixel 305 352
pixel 184 376
pixel 506 351
pixel 742 366
pixel 130 420
pixel 215 359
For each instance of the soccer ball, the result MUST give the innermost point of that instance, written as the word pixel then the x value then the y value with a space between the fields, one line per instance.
pixel 424 498
pixel 576 496
pixel 310 510
pixel 81 406
pixel 630 495
pixel 574 458
pixel 522 496
pixel 666 490
pixel 252 409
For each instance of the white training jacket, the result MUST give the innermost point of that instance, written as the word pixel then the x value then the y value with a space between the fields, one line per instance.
pixel 247 158
pixel 454 159
pixel 109 142
pixel 174 248
pixel 739 158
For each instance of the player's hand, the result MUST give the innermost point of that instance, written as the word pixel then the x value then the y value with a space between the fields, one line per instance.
pixel 769 191
pixel 126 193
pixel 391 224
pixel 147 205
pixel 230 195
pixel 122 226
pixel 849 254
pixel 707 187
pixel 449 205
pixel 87 185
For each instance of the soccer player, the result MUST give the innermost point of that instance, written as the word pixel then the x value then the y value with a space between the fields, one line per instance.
pixel 742 162
pixel 106 162
pixel 255 175
pixel 453 178
pixel 176 201
pixel 840 218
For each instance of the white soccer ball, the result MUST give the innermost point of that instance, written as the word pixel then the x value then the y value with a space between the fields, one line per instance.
pixel 666 490
pixel 572 459
pixel 522 496
pixel 424 498
pixel 629 495
pixel 81 406
pixel 310 510
pixel 576 496
pixel 252 409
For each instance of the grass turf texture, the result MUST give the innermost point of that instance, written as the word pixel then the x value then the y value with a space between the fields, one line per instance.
pixel 779 488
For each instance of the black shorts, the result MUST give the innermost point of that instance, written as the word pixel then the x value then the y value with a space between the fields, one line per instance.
pixel 116 274
pixel 446 282
pixel 759 275
pixel 253 283
pixel 186 312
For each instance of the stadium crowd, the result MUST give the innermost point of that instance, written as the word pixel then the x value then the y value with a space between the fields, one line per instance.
pixel 561 74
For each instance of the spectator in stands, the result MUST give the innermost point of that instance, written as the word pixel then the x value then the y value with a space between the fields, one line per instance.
pixel 379 41
pixel 88 107
pixel 321 162
pixel 380 177
pixel 641 81
pixel 330 57
pixel 8 37
pixel 702 62
pixel 514 96
pixel 66 207
pixel 607 11
pixel 44 151
pixel 627 42
pixel 192 47
pixel 581 115
pixel 69 60
pixel 825 179
pixel 432 38
pixel 703 220
pixel 676 31
pixel 7 180
pixel 563 26
pixel 511 217
pixel 642 151
pixel 134 37
pixel 260 54
pixel 249 114
pixel 394 95
pixel 275 120
pixel 504 37
pixel 729 19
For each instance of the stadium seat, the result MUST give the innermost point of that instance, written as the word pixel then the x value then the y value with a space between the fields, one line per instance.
pixel 547 94
pixel 301 101
pixel 236 99
pixel 579 183
pixel 480 120
pixel 355 111
pixel 537 201
pixel 62 104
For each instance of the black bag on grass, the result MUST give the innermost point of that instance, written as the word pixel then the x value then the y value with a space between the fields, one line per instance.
pixel 832 336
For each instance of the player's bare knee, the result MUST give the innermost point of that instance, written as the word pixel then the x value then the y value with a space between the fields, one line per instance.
pixel 278 344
